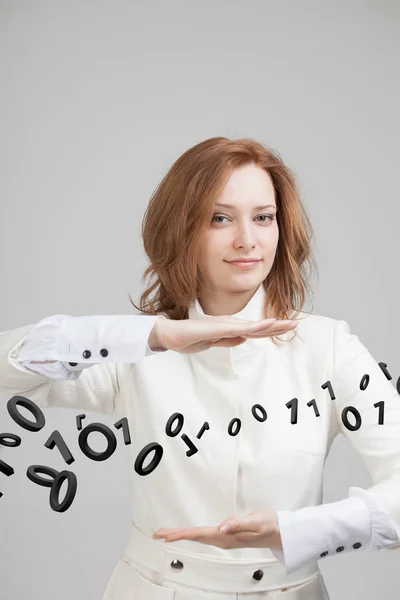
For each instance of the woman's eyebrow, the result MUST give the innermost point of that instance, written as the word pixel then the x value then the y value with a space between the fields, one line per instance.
pixel 256 207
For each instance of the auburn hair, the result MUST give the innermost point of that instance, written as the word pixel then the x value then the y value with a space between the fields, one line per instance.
pixel 181 208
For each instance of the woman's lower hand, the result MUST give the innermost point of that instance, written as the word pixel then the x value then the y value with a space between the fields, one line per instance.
pixel 259 529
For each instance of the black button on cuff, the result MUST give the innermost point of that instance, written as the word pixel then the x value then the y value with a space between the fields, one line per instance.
pixel 72 364
pixel 340 549
pixel 104 352
pixel 258 574
pixel 324 553
pixel 86 354
pixel 357 545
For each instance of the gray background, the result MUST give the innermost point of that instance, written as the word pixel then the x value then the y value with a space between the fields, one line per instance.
pixel 98 99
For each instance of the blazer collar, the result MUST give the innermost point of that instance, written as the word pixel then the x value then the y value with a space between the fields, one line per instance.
pixel 253 311
pixel 235 357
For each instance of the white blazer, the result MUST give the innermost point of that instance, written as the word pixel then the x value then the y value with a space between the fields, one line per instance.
pixel 228 431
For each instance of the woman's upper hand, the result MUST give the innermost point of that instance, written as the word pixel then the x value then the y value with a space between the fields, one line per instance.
pixel 195 335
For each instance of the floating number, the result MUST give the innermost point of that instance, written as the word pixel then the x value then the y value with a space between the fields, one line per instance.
pixel 55 482
pixel 108 434
pixel 141 457
pixel 12 407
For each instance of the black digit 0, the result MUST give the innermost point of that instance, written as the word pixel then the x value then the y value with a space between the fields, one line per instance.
pixel 346 423
pixel 15 438
pixel 12 407
pixel 55 482
pixel 168 427
pixel 5 468
pixel 263 411
pixel 55 504
pixel 234 421
pixel 141 457
pixel 364 382
pixel 108 434
pixel 33 473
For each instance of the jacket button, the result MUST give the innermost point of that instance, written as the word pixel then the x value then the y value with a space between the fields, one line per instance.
pixel 324 553
pixel 176 564
pixel 258 574
pixel 86 354
pixel 357 545
pixel 73 364
pixel 104 352
pixel 340 549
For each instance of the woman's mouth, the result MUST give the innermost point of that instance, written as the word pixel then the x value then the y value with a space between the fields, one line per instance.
pixel 244 265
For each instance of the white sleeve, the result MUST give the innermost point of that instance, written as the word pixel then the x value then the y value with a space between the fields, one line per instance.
pixel 366 519
pixel 45 338
pixel 98 341
pixel 353 524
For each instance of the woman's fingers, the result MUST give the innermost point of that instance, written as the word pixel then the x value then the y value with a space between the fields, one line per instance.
pixel 252 325
pixel 254 330
pixel 265 329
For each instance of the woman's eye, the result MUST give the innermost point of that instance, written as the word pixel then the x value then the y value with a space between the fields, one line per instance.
pixel 268 217
pixel 218 217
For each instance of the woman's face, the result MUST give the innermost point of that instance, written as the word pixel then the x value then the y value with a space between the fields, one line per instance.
pixel 246 229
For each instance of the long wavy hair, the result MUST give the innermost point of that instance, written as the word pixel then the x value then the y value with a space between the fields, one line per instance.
pixel 181 208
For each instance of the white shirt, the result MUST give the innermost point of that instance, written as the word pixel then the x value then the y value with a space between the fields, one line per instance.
pixel 270 463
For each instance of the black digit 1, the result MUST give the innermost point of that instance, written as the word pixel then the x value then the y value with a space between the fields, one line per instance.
pixel 293 404
pixel 5 468
pixel 383 366
pixel 79 419
pixel 381 411
pixel 205 427
pixel 314 405
pixel 55 482
pixel 56 439
pixel 12 407
pixel 192 448
pixel 108 434
pixel 328 385
pixel 123 423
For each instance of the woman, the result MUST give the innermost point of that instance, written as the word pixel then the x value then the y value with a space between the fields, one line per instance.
pixel 229 423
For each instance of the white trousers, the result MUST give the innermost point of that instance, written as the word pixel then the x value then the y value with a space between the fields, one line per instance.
pixel 146 572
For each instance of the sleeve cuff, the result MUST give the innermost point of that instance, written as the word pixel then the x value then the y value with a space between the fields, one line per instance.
pixel 383 535
pixel 57 371
pixel 89 339
pixel 313 532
